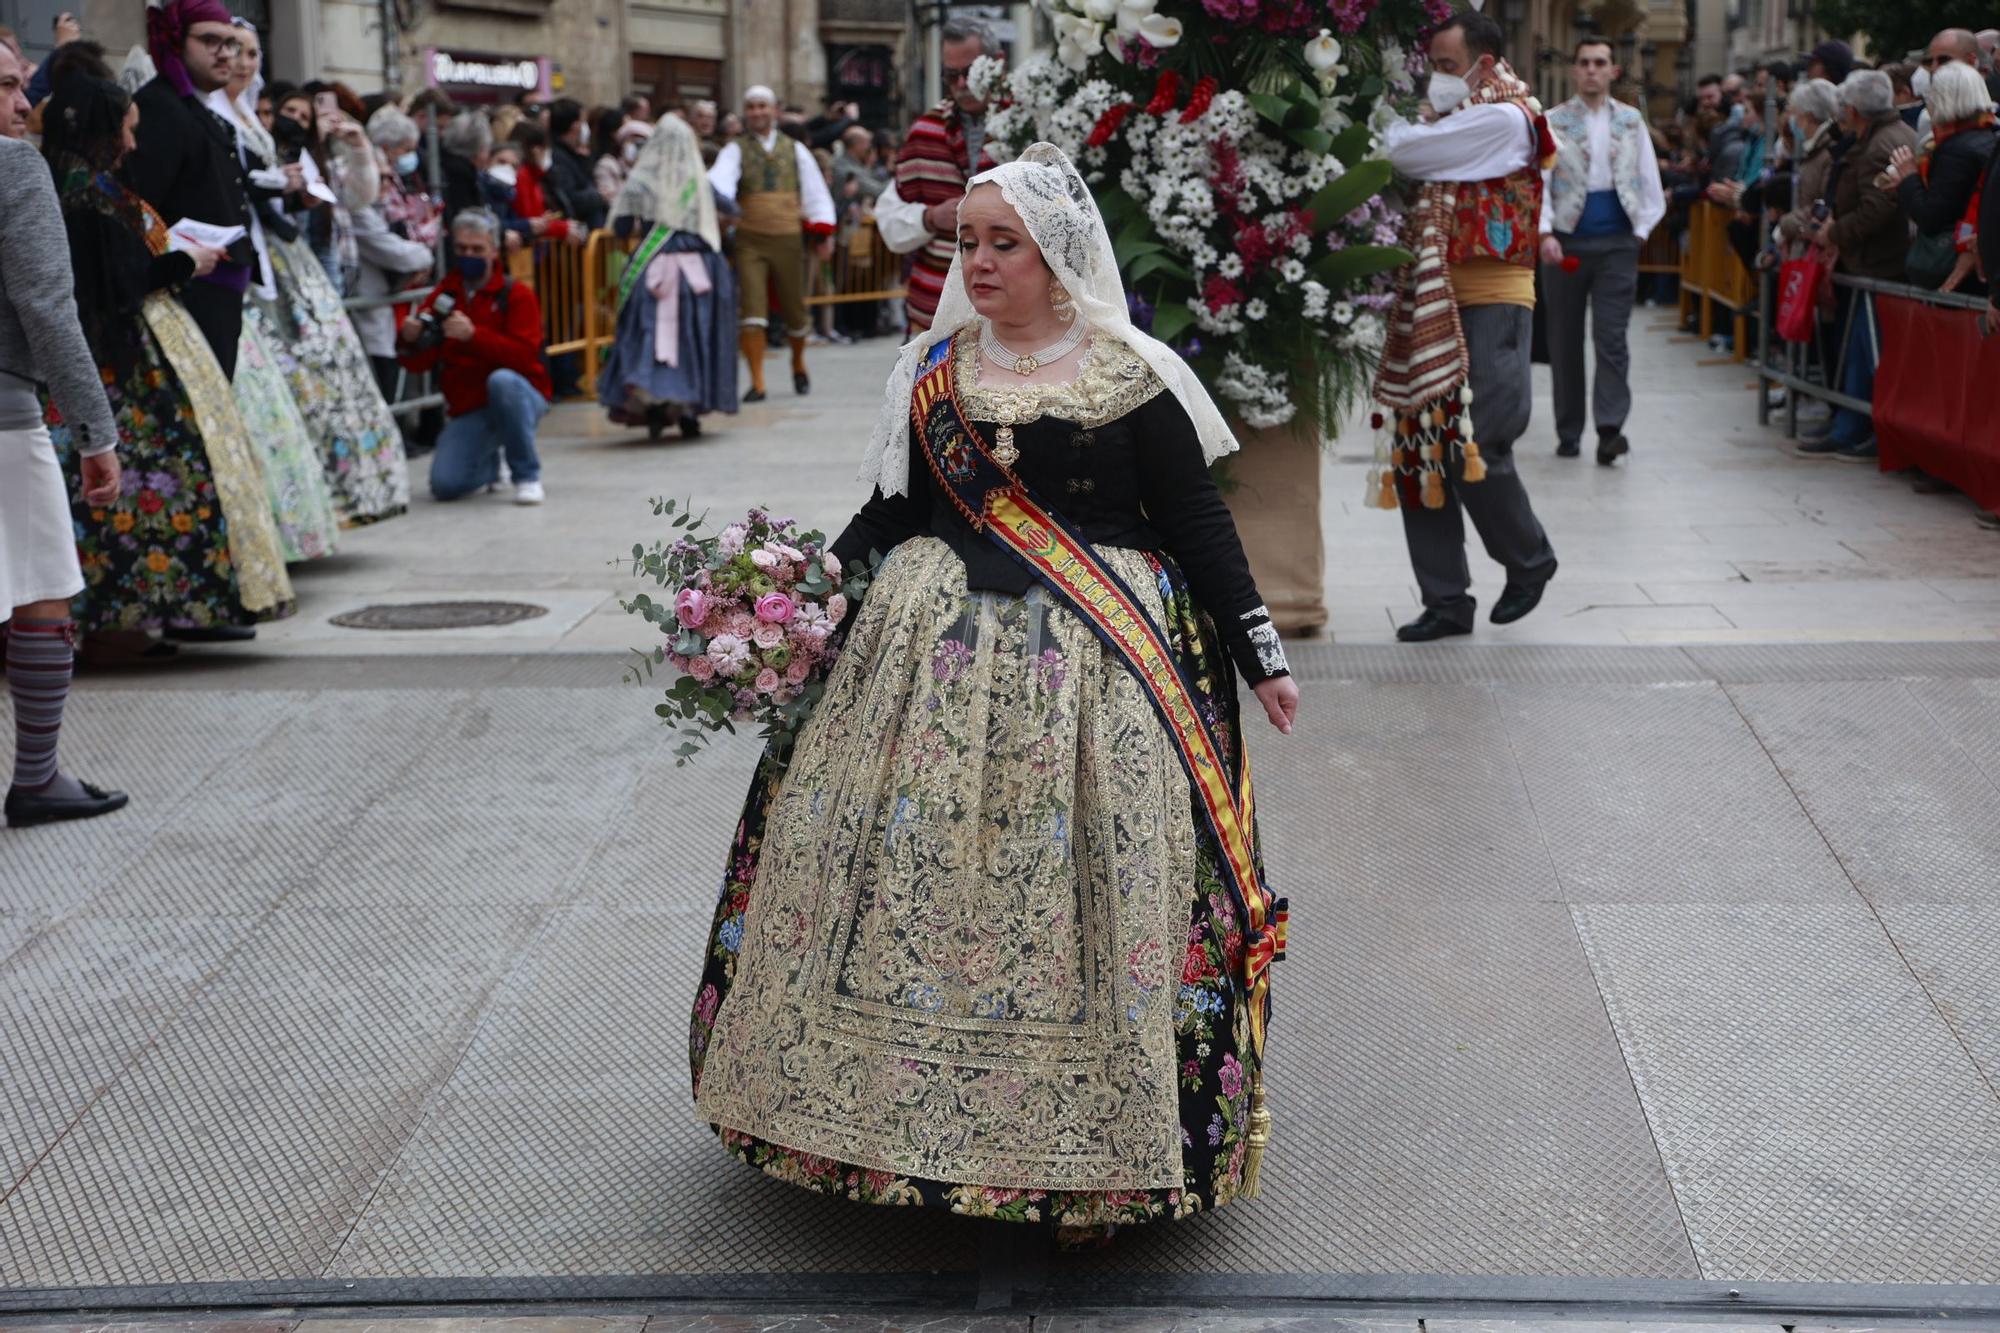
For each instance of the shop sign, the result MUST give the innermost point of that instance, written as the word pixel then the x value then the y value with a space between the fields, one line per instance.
pixel 503 75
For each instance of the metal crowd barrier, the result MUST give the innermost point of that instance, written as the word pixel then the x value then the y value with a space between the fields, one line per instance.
pixel 1793 370
pixel 863 268
pixel 1713 277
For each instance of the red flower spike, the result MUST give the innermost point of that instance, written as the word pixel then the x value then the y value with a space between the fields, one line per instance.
pixel 1165 93
pixel 1107 125
pixel 1204 93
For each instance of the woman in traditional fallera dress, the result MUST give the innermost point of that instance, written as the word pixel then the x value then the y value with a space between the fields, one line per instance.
pixel 190 544
pixel 989 942
pixel 674 356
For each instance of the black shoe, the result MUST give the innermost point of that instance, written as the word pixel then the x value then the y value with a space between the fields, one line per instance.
pixel 690 428
pixel 1568 449
pixel 1925 484
pixel 25 808
pixel 802 383
pixel 1516 600
pixel 1864 452
pixel 1428 626
pixel 1610 448
pixel 1816 446
pixel 754 396
pixel 656 422
pixel 212 633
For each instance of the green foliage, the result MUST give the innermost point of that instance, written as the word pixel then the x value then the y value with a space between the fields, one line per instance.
pixel 1893 31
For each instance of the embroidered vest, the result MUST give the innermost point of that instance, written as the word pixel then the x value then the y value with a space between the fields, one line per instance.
pixel 1568 183
pixel 768 190
pixel 1501 218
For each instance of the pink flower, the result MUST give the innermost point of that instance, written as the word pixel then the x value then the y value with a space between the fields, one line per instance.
pixel 836 607
pixel 767 681
pixel 1230 1076
pixel 701 669
pixel 729 654
pixel 763 559
pixel 740 623
pixel 767 635
pixel 797 672
pixel 730 542
pixel 831 564
pixel 691 607
pixel 791 553
pixel 774 607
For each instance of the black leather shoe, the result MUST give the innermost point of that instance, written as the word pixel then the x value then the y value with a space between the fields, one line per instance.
pixel 25 808
pixel 1428 626
pixel 1568 449
pixel 802 383
pixel 1610 448
pixel 754 396
pixel 1516 601
pixel 690 428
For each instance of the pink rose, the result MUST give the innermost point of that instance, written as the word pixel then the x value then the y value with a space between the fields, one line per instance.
pixel 836 607
pixel 740 623
pixel 691 607
pixel 832 566
pixel 774 607
pixel 764 559
pixel 767 681
pixel 701 669
pixel 797 672
pixel 767 635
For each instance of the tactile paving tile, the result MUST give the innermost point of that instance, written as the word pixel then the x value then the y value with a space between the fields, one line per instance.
pixel 1464 663
pixel 1954 950
pixel 1967 711
pixel 566 1141
pixel 1817 1117
pixel 668 845
pixel 77 1004
pixel 1747 663
pixel 245 1141
pixel 1662 793
pixel 1362 801
pixel 1908 813
pixel 556 750
pixel 157 749
pixel 1447 1097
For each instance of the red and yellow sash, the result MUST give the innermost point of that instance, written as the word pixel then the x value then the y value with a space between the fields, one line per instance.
pixel 998 503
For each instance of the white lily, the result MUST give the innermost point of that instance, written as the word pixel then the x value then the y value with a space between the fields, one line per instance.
pixel 1323 51
pixel 1076 40
pixel 1132 13
pixel 1100 11
pixel 1159 31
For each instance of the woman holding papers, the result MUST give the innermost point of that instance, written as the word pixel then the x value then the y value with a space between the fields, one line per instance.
pixel 189 544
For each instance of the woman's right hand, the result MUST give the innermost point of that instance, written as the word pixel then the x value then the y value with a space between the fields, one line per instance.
pixel 540 225
pixel 205 257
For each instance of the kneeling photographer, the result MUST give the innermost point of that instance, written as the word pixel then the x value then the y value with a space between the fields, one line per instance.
pixel 483 332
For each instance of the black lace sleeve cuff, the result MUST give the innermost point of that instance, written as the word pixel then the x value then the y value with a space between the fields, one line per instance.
pixel 1255 647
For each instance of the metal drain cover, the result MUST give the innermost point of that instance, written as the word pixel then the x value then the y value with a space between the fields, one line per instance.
pixel 438 615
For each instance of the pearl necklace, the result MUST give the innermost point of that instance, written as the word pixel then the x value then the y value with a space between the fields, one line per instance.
pixel 1027 364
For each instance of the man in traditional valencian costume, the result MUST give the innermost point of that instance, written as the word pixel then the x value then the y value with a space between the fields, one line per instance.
pixel 782 198
pixel 918 215
pixel 1454 386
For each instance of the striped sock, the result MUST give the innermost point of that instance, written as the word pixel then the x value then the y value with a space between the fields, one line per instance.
pixel 39 658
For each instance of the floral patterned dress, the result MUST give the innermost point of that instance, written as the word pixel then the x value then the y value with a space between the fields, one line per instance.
pixel 973 950
pixel 301 500
pixel 190 542
pixel 333 385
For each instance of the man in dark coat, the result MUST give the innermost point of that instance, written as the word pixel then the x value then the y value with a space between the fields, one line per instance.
pixel 569 168
pixel 186 165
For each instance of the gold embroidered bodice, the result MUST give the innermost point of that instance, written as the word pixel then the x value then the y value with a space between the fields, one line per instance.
pixel 1110 381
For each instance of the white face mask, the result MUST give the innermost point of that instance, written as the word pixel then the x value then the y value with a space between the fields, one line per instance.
pixel 502 172
pixel 630 152
pixel 1447 91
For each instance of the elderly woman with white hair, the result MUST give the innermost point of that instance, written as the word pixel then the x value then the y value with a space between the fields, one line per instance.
pixel 388 258
pixel 1869 239
pixel 1939 188
pixel 1812 116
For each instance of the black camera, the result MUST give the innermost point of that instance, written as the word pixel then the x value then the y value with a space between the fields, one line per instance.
pixel 430 323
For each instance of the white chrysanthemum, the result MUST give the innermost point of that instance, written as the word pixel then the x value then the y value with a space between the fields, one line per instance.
pixel 1231 266
pixel 1255 309
pixel 1292 270
pixel 1343 312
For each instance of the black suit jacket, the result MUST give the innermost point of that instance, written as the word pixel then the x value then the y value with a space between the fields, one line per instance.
pixel 186 166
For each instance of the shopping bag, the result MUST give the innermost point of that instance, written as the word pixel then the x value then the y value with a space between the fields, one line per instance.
pixel 1799 281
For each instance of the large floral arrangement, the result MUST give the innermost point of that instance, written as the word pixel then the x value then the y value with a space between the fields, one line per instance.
pixel 1233 148
pixel 751 625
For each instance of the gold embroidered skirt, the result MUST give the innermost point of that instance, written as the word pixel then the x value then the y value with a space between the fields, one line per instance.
pixel 964 951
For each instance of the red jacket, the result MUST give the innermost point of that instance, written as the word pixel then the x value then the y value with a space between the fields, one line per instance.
pixel 505 336
pixel 532 201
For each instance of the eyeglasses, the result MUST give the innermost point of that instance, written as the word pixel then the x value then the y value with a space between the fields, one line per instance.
pixel 217 43
pixel 1932 62
pixel 952 75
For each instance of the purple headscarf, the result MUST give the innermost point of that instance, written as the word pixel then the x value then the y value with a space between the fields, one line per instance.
pixel 166 33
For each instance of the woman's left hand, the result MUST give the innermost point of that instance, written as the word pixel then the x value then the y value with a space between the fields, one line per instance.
pixel 1280 697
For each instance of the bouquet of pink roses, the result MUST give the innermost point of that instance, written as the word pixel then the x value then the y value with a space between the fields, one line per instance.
pixel 752 625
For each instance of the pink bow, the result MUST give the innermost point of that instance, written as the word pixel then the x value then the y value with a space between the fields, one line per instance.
pixel 664 277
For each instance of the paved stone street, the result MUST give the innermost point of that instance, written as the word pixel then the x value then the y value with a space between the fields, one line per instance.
pixel 1643 951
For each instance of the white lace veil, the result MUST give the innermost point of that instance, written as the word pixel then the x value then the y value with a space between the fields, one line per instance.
pixel 1056 207
pixel 668 184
